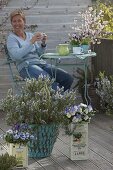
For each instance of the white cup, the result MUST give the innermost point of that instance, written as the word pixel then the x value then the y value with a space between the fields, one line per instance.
pixel 77 50
pixel 43 35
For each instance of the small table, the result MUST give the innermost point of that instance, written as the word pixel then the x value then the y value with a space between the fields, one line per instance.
pixel 56 58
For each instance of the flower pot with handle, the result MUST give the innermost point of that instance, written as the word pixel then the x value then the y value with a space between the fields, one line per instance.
pixel 63 49
pixel 85 48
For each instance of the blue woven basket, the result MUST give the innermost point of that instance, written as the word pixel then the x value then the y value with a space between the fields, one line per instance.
pixel 45 137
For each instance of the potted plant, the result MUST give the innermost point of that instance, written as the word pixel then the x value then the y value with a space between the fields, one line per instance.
pixel 42 108
pixel 80 40
pixel 78 117
pixel 91 29
pixel 85 44
pixel 78 114
pixel 17 138
pixel 105 91
pixel 7 162
pixel 74 40
pixel 78 43
pixel 18 134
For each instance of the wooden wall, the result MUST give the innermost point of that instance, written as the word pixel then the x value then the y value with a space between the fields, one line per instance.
pixel 54 17
pixel 104 59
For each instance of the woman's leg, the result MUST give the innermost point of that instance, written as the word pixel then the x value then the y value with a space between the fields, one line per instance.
pixel 34 71
pixel 62 77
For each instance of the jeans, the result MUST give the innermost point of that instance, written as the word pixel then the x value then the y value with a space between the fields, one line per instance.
pixel 62 78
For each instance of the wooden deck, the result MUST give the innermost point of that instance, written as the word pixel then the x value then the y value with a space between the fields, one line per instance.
pixel 100 149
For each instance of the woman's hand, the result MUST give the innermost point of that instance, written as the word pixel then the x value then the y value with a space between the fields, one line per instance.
pixel 44 38
pixel 39 37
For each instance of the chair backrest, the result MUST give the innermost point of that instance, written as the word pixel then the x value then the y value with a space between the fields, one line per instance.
pixel 15 78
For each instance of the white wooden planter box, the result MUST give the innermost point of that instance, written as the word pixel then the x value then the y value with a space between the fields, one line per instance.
pixel 76 149
pixel 20 152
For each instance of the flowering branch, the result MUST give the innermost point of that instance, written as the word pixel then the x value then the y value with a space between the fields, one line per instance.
pixel 92 25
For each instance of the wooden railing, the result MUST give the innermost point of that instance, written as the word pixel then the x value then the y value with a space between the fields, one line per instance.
pixel 3 3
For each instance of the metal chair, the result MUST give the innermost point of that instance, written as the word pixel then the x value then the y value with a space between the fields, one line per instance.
pixel 16 79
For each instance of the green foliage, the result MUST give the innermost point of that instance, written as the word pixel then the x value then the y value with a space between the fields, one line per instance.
pixel 107 9
pixel 79 39
pixel 105 91
pixel 7 162
pixel 37 103
pixel 77 135
pixel 74 42
pixel 20 134
pixel 85 41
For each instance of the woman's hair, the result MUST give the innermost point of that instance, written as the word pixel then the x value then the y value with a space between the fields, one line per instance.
pixel 17 12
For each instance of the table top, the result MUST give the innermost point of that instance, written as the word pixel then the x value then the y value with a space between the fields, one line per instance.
pixel 81 56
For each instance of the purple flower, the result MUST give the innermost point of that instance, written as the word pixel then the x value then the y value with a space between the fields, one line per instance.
pixel 16 136
pixel 79 113
pixel 22 136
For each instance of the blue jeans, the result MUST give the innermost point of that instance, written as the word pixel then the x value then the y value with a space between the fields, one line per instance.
pixel 62 78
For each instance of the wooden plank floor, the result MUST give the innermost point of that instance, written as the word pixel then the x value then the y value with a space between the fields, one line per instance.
pixel 100 148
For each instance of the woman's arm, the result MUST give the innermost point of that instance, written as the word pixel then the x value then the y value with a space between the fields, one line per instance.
pixel 16 50
pixel 19 48
pixel 41 49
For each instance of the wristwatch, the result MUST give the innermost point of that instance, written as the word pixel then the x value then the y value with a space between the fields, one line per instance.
pixel 43 45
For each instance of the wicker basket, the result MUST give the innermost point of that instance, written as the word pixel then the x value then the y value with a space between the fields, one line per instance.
pixel 45 137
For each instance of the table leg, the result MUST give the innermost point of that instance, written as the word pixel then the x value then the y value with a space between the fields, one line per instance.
pixel 86 95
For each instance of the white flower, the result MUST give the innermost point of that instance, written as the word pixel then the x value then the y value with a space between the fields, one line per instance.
pixel 75 119
pixel 90 108
pixel 86 111
pixel 31 137
pixel 73 110
pixel 1 136
pixel 83 105
pixel 27 135
pixel 68 115
pixel 75 107
pixel 86 117
pixel 90 9
pixel 16 136
pixel 10 131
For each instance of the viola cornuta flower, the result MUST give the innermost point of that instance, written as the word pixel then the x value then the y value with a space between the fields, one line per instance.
pixel 79 113
pixel 20 133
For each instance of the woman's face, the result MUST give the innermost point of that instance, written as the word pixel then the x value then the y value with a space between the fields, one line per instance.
pixel 18 23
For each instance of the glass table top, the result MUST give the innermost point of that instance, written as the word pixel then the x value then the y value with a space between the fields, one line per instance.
pixel 71 55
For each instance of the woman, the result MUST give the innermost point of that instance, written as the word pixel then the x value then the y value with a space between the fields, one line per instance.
pixel 26 48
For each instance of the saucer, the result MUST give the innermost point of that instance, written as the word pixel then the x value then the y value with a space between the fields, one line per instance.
pixel 78 53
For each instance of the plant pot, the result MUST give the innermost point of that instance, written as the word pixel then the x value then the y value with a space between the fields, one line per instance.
pixel 44 138
pixel 79 141
pixel 85 48
pixel 77 50
pixel 20 151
